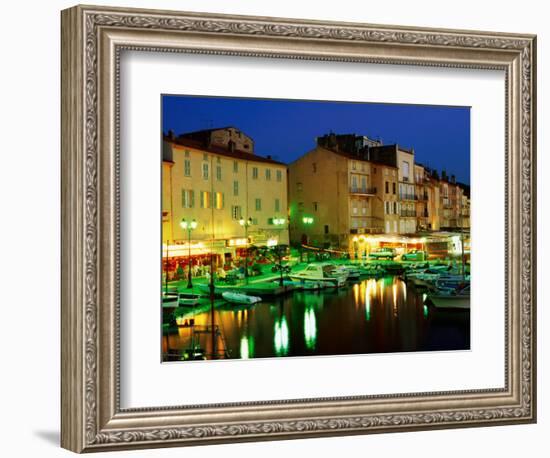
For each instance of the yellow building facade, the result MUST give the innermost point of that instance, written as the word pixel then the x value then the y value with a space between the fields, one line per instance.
pixel 218 187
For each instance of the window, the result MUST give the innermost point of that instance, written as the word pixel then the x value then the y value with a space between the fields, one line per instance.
pixel 187 167
pixel 255 221
pixel 387 187
pixel 393 186
pixel 300 206
pixel 205 171
pixel 258 205
pixel 220 200
pixel 326 228
pixel 405 167
pixel 353 165
pixel 205 157
pixel 268 174
pixel 187 198
pixel 186 153
pixel 354 183
pixel 235 188
pixel 219 172
pixel 205 199
pixel 316 206
pixel 255 173
pixel 218 160
pixel 364 210
pixel 354 210
pixel 236 212
pixel 299 186
pixel 235 166
pixel 364 183
pixel 362 166
pixel 395 208
pixel 314 167
pixel 279 175
pixel 277 205
pixel 387 207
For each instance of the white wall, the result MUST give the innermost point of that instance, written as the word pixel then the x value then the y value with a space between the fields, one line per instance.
pixel 29 241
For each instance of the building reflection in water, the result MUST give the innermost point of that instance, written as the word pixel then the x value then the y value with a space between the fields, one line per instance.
pixel 371 316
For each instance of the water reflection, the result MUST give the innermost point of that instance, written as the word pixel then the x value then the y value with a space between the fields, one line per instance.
pixel 281 337
pixel 310 328
pixel 370 316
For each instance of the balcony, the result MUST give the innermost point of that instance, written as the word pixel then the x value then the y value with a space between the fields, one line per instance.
pixel 374 225
pixel 407 197
pixel 362 191
pixel 407 213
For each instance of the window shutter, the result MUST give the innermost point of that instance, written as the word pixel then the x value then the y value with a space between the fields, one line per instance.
pixel 191 198
pixel 183 198
pixel 202 199
pixel 223 199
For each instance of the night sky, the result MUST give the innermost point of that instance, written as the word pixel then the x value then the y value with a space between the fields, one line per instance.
pixel 286 129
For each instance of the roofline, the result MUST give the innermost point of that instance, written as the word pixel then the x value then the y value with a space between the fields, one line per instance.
pixel 250 157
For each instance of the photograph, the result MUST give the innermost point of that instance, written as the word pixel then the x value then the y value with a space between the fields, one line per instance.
pixel 313 228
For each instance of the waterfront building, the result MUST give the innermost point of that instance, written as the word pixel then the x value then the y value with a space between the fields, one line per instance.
pixel 344 196
pixel 403 159
pixel 350 186
pixel 216 178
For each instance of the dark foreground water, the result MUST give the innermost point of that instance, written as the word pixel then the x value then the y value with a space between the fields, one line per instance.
pixel 370 316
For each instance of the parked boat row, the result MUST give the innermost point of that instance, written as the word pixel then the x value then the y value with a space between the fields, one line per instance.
pixel 449 286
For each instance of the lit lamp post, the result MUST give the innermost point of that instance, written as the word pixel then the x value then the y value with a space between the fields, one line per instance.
pixel 308 221
pixel 189 226
pixel 279 222
pixel 246 223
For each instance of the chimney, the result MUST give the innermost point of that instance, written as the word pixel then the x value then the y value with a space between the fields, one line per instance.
pixel 453 179
pixel 444 175
pixel 171 135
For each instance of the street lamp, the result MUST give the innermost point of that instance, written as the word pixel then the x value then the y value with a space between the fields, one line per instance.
pixel 279 222
pixel 308 221
pixel 246 223
pixel 189 226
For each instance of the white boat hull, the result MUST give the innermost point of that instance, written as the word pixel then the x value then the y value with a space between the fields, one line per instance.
pixel 449 302
pixel 241 299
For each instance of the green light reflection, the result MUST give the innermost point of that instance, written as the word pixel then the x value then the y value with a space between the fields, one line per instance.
pixel 310 328
pixel 247 347
pixel 281 337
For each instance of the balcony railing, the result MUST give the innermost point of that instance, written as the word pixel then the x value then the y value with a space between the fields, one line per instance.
pixel 408 213
pixel 363 191
pixel 407 196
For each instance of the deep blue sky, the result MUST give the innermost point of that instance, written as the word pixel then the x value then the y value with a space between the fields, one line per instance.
pixel 286 129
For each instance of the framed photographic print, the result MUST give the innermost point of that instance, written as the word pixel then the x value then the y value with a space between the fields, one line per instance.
pixel 278 228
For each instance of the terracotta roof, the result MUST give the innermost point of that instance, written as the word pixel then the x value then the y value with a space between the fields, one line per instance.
pixel 237 154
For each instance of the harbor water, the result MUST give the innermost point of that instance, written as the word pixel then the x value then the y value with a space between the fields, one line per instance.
pixel 369 316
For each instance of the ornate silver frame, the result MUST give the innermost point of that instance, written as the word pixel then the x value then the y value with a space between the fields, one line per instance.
pixel 92 39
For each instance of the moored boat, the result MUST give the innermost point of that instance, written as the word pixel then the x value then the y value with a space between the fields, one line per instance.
pixel 450 298
pixel 240 298
pixel 322 272
pixel 188 299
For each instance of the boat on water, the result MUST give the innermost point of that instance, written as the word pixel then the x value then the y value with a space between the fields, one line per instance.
pixel 169 300
pixel 322 272
pixel 240 298
pixel 188 299
pixel 450 298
